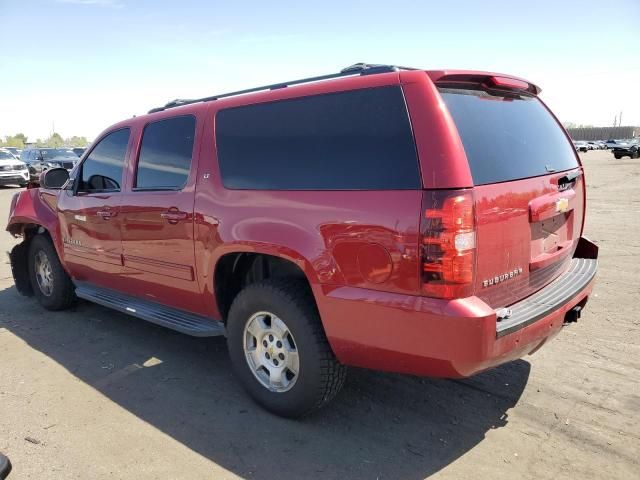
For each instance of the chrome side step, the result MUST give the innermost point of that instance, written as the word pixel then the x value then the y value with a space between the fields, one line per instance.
pixel 179 320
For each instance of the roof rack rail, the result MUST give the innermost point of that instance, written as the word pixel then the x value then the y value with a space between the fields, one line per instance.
pixel 355 69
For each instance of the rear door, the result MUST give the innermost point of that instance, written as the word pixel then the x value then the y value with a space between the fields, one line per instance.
pixel 89 213
pixel 157 216
pixel 529 191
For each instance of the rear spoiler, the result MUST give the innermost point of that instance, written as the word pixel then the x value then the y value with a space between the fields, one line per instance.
pixel 493 81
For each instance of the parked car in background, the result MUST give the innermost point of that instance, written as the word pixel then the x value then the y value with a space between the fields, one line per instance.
pixel 41 159
pixel 612 143
pixel 79 151
pixel 629 149
pixel 581 146
pixel 12 170
pixel 312 227
pixel 14 150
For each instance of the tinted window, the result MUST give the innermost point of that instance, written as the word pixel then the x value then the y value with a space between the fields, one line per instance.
pixel 165 153
pixel 56 153
pixel 507 138
pixel 102 169
pixel 353 140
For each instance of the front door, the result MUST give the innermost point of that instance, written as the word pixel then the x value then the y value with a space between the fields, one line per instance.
pixel 157 216
pixel 89 209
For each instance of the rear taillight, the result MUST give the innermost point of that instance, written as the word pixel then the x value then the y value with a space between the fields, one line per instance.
pixel 448 243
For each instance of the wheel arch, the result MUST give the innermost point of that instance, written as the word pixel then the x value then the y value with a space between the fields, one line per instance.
pixel 237 268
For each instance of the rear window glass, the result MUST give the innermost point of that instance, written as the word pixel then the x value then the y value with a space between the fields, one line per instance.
pixel 508 138
pixel 356 140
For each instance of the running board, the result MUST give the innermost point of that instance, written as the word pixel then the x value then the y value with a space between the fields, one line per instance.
pixel 179 320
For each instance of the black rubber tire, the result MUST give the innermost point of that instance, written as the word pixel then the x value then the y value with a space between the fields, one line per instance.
pixel 5 466
pixel 321 376
pixel 617 157
pixel 23 185
pixel 63 295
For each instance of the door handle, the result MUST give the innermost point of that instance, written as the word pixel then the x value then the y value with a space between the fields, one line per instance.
pixel 106 214
pixel 174 215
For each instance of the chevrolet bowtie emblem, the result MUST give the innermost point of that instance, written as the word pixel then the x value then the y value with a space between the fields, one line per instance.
pixel 562 205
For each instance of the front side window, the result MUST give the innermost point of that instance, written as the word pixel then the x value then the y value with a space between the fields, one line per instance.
pixel 102 169
pixel 165 154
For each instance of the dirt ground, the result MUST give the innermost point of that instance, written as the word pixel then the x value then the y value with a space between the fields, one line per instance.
pixel 92 394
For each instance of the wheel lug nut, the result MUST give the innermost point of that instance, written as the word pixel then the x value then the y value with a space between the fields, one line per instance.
pixel 267 356
pixel 279 344
pixel 281 356
pixel 271 338
pixel 275 362
pixel 264 343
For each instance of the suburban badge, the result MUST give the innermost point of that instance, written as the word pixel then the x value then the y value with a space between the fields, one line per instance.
pixel 502 277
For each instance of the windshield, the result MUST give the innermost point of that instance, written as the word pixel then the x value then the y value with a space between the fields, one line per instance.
pixel 57 153
pixel 6 156
pixel 508 137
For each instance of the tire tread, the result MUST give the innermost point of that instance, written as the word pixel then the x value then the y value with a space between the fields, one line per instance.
pixel 296 292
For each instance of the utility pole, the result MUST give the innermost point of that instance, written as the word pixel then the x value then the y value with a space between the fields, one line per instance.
pixel 620 120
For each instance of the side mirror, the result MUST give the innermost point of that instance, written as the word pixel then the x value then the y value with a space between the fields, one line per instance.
pixel 54 178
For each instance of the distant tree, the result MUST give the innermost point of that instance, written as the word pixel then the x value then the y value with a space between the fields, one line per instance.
pixel 55 140
pixel 76 141
pixel 18 140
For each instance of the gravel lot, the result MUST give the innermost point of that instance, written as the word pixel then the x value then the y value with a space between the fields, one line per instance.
pixel 95 394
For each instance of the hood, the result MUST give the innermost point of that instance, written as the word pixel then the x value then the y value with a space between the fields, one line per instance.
pixel 12 161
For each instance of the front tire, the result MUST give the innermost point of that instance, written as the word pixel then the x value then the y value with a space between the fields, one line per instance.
pixel 52 286
pixel 279 350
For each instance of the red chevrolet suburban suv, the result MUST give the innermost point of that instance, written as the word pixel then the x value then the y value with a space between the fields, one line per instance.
pixel 423 222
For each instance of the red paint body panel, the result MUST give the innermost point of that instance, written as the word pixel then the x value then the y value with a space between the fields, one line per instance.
pixel 359 250
pixel 423 336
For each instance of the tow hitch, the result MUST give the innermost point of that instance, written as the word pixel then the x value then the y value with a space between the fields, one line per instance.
pixel 573 315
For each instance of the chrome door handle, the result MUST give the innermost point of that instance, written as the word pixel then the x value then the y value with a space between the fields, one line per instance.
pixel 106 214
pixel 174 216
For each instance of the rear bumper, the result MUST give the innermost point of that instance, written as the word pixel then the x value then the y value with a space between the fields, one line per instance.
pixel 456 338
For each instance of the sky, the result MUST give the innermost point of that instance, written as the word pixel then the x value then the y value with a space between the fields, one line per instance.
pixel 81 65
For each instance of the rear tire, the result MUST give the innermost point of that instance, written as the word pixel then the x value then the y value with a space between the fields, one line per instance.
pixel 279 350
pixel 51 285
pixel 618 157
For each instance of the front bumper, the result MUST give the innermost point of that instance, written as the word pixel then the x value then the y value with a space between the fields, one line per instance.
pixel 17 178
pixel 455 338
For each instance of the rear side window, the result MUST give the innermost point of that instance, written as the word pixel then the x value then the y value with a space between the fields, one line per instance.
pixel 508 138
pixel 356 140
pixel 165 154
pixel 102 169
